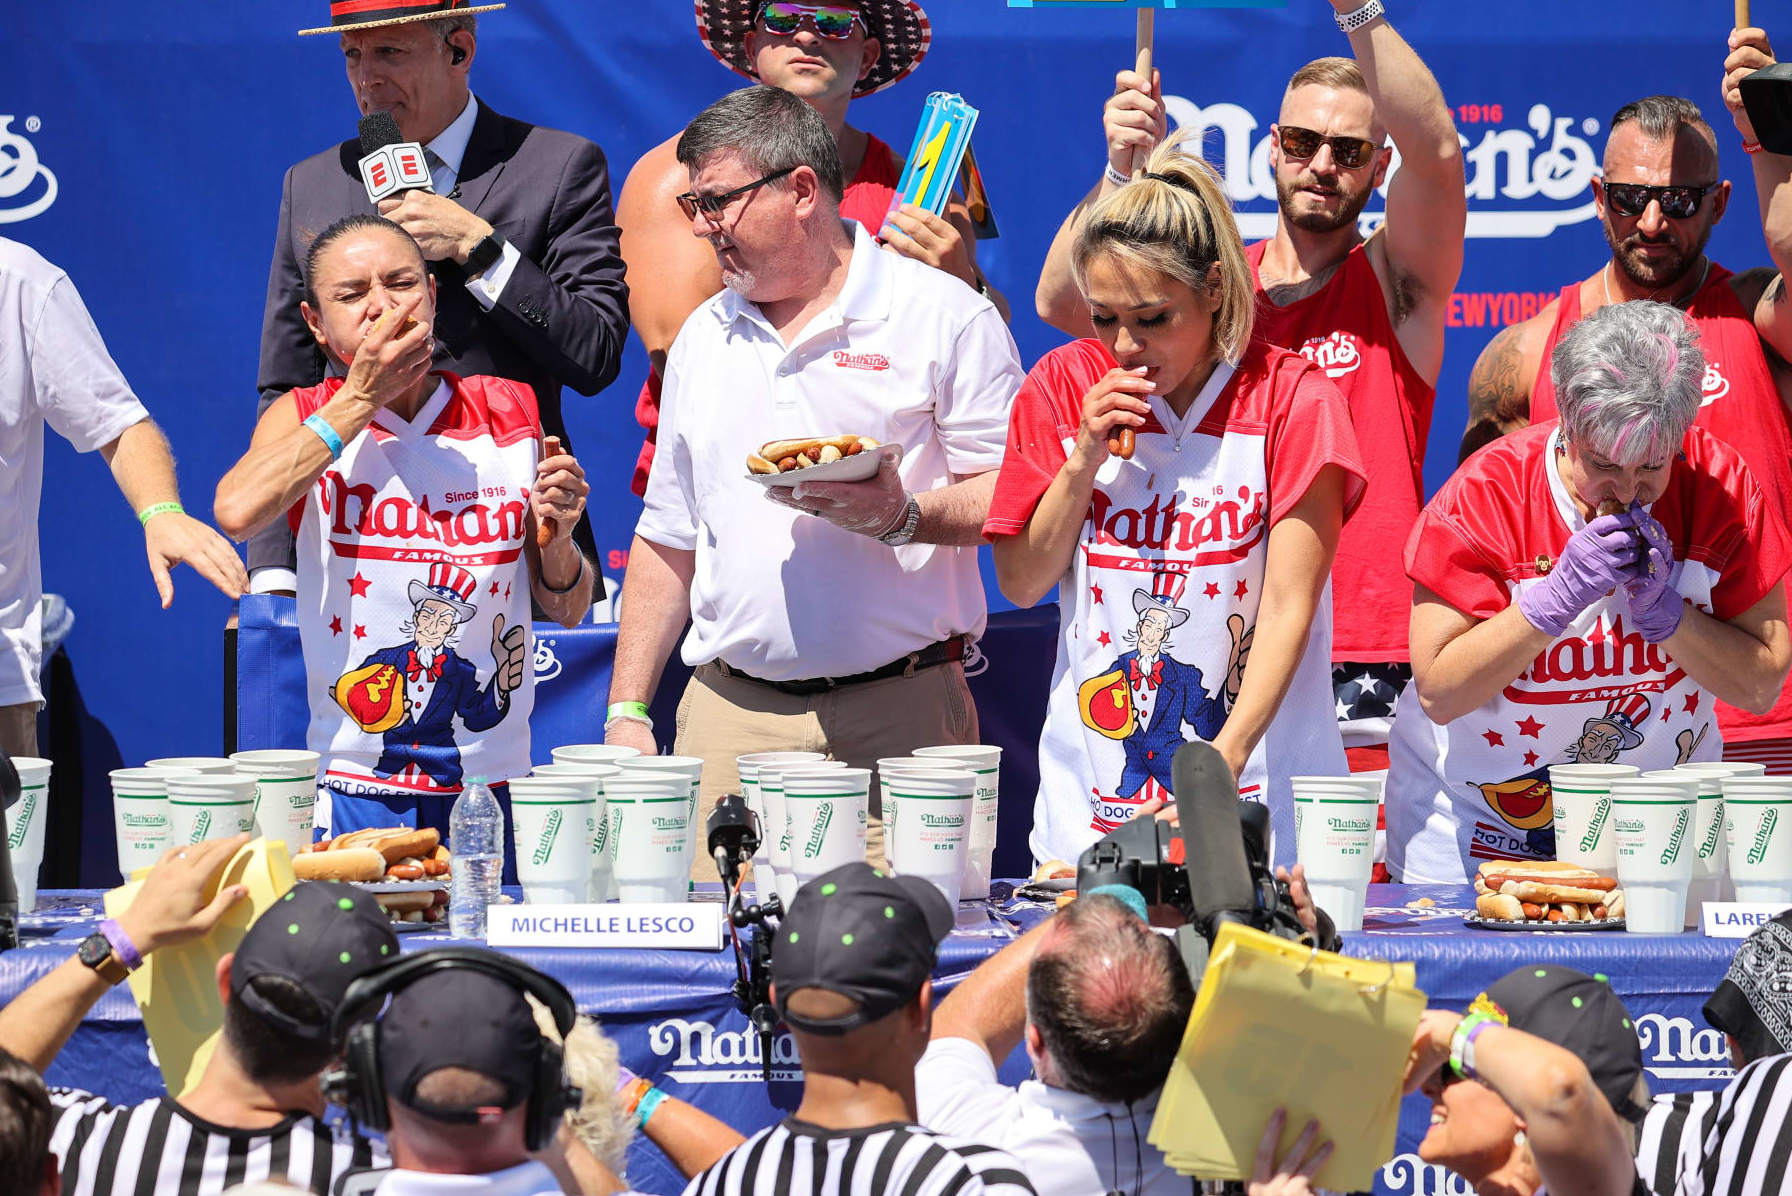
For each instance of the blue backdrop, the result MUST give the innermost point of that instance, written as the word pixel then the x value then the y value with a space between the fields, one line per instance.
pixel 166 128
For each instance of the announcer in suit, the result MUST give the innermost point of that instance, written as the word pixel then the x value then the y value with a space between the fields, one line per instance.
pixel 520 232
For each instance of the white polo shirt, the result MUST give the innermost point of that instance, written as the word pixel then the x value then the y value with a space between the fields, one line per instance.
pixel 53 367
pixel 905 354
pixel 1067 1143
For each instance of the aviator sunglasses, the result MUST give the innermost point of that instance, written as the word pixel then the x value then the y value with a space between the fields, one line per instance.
pixel 830 20
pixel 1348 152
pixel 1677 202
pixel 712 206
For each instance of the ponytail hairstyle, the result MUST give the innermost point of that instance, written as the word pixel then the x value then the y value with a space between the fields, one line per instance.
pixel 1176 221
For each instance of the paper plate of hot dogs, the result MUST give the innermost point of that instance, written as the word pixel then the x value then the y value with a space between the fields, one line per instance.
pixel 1545 895
pixel 816 459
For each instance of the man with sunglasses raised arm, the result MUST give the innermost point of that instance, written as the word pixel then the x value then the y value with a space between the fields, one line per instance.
pixel 1661 195
pixel 1370 311
pixel 828 54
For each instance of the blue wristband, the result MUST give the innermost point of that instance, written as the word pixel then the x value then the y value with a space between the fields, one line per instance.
pixel 650 1101
pixel 327 434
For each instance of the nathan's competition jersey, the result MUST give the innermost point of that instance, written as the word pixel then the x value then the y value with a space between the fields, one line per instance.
pixel 1478 788
pixel 412 581
pixel 1159 606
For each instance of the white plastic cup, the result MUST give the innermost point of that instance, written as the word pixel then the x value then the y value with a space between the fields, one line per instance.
pixel 927 824
pixel 688 767
pixel 1654 822
pixel 651 827
pixel 209 806
pixel 765 873
pixel 1757 812
pixel 593 753
pixel 1334 836
pixel 140 814
pixel 600 886
pixel 25 826
pixel 221 765
pixel 1582 799
pixel 776 824
pixel 1712 863
pixel 986 761
pixel 285 794
pixel 554 821
pixel 828 814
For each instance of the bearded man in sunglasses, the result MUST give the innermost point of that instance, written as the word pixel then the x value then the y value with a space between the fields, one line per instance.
pixel 1659 199
pixel 828 54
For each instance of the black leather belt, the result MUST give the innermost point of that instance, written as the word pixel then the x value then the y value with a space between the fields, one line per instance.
pixel 944 652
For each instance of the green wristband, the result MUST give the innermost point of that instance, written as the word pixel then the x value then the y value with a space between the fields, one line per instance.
pixel 626 710
pixel 161 508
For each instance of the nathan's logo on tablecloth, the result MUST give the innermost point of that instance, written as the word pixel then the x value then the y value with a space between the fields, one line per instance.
pixel 698 1053
pixel 547 665
pixel 1676 1049
pixel 27 186
pixel 1409 1175
pixel 1528 170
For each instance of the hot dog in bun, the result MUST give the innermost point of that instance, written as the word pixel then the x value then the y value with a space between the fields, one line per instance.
pixel 782 456
pixel 1545 891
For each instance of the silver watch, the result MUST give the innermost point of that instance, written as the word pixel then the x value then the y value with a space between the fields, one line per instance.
pixel 904 532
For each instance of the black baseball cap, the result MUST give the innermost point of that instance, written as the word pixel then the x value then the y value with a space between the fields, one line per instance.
pixel 863 933
pixel 1753 1002
pixel 1580 1014
pixel 321 935
pixel 459 1018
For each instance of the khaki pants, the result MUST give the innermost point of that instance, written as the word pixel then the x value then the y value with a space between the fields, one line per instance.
pixel 721 717
pixel 18 729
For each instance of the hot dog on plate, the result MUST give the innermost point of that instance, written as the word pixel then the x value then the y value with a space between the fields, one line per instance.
pixel 782 456
pixel 1545 891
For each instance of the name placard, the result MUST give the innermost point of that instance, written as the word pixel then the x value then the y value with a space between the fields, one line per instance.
pixel 674 927
pixel 1739 919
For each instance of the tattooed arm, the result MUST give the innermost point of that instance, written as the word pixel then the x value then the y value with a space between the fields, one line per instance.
pixel 1499 387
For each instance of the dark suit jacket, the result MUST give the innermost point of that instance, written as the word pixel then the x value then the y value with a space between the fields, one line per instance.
pixel 562 319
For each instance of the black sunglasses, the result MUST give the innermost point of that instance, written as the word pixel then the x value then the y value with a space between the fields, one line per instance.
pixel 1348 152
pixel 690 203
pixel 1677 202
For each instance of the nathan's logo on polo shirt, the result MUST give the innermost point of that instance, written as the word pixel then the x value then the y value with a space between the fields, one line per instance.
pixel 27 188
pixel 860 361
pixel 1231 520
pixel 1336 354
pixel 1715 386
pixel 702 1054
pixel 358 511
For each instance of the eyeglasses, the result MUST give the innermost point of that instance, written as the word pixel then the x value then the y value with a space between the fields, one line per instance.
pixel 830 20
pixel 1677 202
pixel 712 206
pixel 1348 152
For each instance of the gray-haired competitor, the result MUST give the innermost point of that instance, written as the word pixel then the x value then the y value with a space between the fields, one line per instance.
pixel 1545 629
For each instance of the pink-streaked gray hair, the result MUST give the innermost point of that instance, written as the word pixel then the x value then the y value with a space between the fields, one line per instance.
pixel 1629 381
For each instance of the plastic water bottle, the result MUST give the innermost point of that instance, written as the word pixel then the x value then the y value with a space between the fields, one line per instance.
pixel 476 840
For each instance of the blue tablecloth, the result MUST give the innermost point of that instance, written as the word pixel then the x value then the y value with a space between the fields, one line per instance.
pixel 675 1020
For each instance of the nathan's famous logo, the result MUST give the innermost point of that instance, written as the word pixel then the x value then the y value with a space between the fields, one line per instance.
pixel 360 511
pixel 1715 386
pixel 1544 166
pixel 546 664
pixel 662 823
pixel 1713 836
pixel 1233 521
pixel 1595 824
pixel 703 1054
pixel 1409 1175
pixel 20 814
pixel 1671 852
pixel 1357 825
pixel 550 831
pixel 817 833
pixel 145 822
pixel 942 821
pixel 202 825
pixel 1676 1049
pixel 1336 354
pixel 1763 835
pixel 21 197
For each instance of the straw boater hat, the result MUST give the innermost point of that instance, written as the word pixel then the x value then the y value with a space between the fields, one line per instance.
pixel 367 14
pixel 900 27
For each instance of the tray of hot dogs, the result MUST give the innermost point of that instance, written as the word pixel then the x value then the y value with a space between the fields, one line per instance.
pixel 814 459
pixel 1545 895
pixel 406 869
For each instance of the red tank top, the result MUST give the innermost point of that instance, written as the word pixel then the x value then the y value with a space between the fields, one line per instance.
pixel 1344 329
pixel 867 200
pixel 1742 407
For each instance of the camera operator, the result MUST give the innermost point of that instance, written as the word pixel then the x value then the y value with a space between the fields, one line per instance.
pixel 851 976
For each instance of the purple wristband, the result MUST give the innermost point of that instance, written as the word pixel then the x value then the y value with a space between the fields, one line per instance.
pixel 624 1077
pixel 121 945
pixel 1468 1042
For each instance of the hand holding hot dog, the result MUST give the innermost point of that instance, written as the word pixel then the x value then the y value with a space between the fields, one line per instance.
pixel 558 496
pixel 872 508
pixel 1112 410
pixel 393 356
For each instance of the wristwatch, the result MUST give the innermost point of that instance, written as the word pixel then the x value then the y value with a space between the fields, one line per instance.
pixel 904 532
pixel 483 255
pixel 96 952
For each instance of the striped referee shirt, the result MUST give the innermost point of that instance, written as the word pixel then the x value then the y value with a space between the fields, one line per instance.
pixel 1671 1137
pixel 158 1148
pixel 1749 1148
pixel 794 1158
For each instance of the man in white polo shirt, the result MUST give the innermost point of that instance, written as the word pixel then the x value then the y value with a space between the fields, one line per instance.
pixel 830 617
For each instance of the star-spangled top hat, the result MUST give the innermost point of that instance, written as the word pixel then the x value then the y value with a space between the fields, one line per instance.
pixel 902 31
pixel 448 584
pixel 1166 588
pixel 368 14
pixel 1624 715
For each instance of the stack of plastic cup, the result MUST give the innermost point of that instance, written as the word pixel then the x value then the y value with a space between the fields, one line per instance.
pixel 285 794
pixel 209 806
pixel 25 826
pixel 1582 799
pixel 601 884
pixel 1654 820
pixel 1711 866
pixel 765 873
pixel 690 768
pixel 777 819
pixel 927 824
pixel 827 813
pixel 650 822
pixel 140 814
pixel 1334 835
pixel 206 764
pixel 986 762
pixel 592 753
pixel 1757 811
pixel 554 825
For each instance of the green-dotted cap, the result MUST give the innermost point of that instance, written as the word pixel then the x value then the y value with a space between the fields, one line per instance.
pixel 321 936
pixel 1579 1013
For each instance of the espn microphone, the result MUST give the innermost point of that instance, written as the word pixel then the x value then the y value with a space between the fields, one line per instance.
pixel 390 164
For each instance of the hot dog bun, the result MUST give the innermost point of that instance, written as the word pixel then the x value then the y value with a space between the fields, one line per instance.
pixel 393 843
pixel 404 903
pixel 1498 905
pixel 1054 870
pixel 758 464
pixel 782 456
pixel 354 863
pixel 1556 891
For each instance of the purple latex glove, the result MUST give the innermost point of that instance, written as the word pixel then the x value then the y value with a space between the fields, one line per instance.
pixel 1597 559
pixel 1655 605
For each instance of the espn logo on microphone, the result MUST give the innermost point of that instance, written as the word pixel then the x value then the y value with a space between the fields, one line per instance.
pixel 391 168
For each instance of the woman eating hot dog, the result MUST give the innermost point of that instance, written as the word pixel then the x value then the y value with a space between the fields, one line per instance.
pixel 1192 571
pixel 1544 631
pixel 426 519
